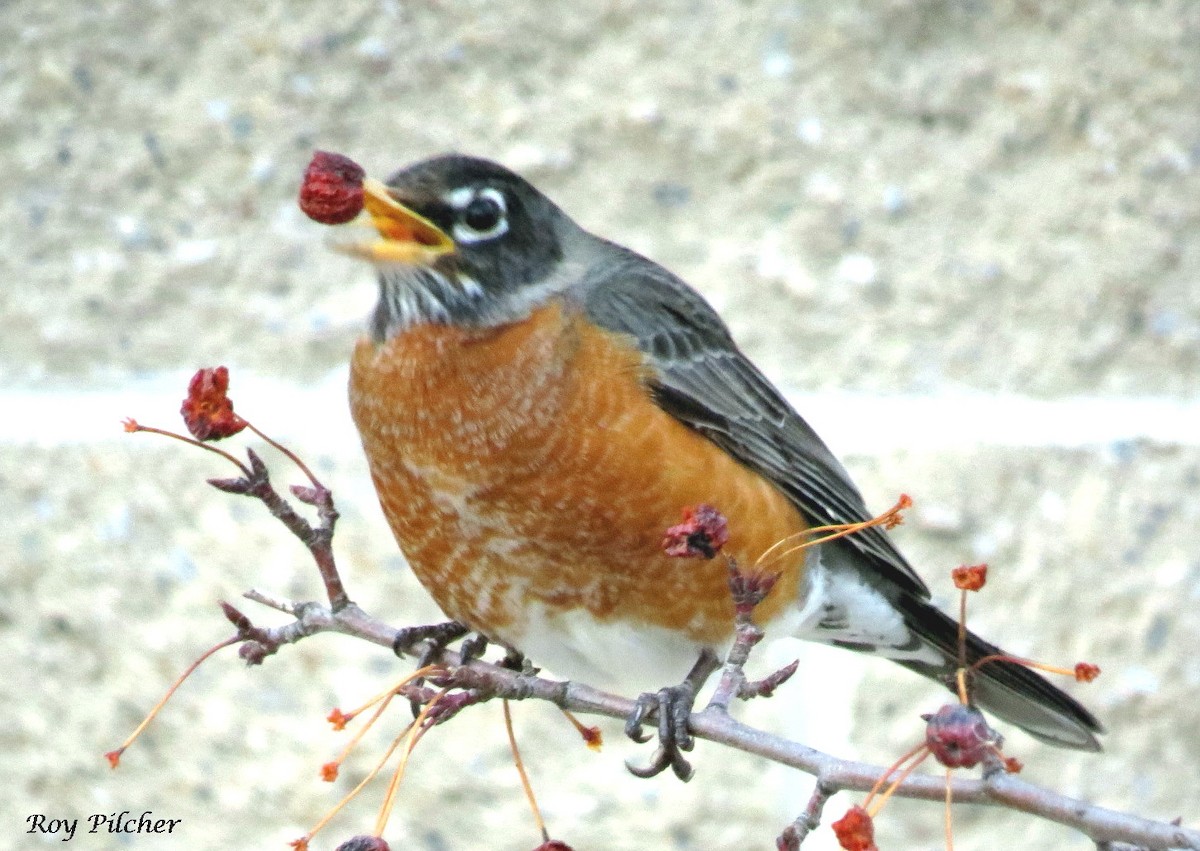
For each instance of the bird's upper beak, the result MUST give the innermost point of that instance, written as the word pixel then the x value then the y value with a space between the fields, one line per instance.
pixel 404 236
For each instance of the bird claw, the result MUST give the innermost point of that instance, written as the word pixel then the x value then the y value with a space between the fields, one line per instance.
pixel 473 648
pixel 633 724
pixel 672 706
pixel 660 762
pixel 440 634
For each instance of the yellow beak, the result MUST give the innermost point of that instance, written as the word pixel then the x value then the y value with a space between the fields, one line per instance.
pixel 404 236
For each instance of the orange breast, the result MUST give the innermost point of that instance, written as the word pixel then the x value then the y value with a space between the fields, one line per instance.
pixel 526 466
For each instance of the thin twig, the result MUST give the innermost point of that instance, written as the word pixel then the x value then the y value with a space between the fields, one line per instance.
pixel 810 819
pixel 256 483
pixel 733 675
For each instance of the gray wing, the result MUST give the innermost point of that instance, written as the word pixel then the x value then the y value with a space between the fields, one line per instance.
pixel 702 379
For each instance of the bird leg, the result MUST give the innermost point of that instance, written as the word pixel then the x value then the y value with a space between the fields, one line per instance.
pixel 672 706
pixel 514 660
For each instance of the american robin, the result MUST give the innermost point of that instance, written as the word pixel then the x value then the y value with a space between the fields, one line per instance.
pixel 538 404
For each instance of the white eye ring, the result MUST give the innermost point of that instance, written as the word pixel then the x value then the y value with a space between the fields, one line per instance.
pixel 462 198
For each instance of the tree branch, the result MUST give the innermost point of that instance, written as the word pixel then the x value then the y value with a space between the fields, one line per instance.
pixel 716 725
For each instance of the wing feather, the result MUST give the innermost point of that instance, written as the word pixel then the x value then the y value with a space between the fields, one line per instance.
pixel 701 378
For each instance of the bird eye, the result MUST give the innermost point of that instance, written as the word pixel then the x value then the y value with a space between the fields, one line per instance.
pixel 481 215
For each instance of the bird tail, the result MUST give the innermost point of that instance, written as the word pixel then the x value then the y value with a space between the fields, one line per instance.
pixel 1008 690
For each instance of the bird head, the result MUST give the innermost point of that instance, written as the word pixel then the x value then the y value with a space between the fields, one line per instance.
pixel 462 240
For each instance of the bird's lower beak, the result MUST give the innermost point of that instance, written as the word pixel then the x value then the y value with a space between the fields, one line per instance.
pixel 403 235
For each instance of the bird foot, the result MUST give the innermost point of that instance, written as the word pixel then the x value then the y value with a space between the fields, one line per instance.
pixel 433 639
pixel 671 706
pixel 440 635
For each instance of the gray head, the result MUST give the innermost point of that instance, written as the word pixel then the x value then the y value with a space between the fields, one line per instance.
pixel 464 241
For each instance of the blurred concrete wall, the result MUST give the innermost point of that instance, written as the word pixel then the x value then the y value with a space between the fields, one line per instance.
pixel 952 203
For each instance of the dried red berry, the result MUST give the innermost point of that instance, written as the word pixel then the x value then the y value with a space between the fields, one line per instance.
pixel 702 533
pixel 332 191
pixel 553 845
pixel 208 411
pixel 855 831
pixel 958 736
pixel 969 577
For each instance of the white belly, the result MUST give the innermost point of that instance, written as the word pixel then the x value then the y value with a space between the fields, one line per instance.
pixel 611 655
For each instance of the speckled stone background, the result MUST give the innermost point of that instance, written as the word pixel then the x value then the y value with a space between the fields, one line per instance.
pixel 907 196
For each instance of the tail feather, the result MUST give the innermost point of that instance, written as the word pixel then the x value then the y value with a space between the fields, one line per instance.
pixel 1009 691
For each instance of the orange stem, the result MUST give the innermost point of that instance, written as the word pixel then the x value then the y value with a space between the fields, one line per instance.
pixel 291 456
pixel 520 764
pixel 176 436
pixel 114 756
pixel 883 799
pixel 416 731
pixel 1028 663
pixel 353 793
pixel 892 768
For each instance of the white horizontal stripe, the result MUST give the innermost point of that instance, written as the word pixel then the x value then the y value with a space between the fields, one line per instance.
pixel 863 424
pixel 852 423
